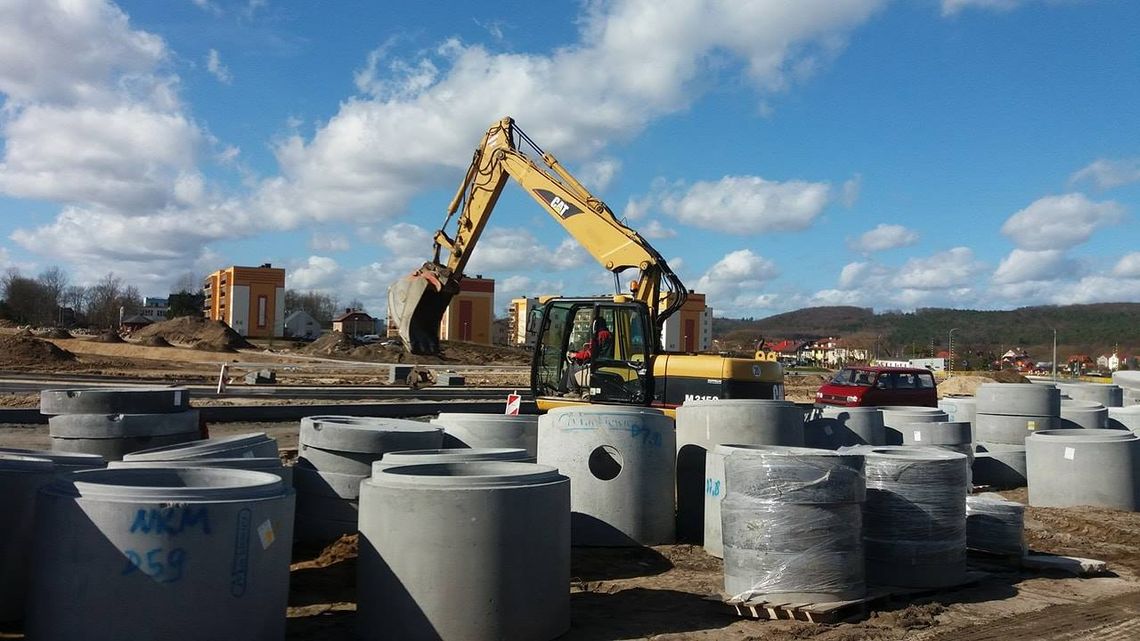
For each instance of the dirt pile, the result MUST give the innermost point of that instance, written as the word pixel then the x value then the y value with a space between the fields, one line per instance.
pixel 330 344
pixel 967 384
pixel 27 350
pixel 109 337
pixel 155 341
pixel 340 345
pixel 196 332
pixel 55 332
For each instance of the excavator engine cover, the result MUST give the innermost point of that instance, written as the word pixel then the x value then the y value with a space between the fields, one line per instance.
pixel 416 304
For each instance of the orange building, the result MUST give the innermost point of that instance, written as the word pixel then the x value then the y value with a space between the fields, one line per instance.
pixel 689 329
pixel 471 312
pixel 251 300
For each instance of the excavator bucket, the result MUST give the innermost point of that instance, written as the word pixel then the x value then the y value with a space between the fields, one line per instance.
pixel 416 304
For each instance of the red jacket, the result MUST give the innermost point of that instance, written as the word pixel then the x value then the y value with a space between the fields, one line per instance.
pixel 600 339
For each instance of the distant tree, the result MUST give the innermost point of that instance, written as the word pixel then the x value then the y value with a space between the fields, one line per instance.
pixel 185 303
pixel 29 302
pixel 357 304
pixel 188 282
pixel 103 303
pixel 321 306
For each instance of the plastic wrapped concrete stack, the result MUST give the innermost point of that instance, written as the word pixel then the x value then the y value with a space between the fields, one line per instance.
pixel 111 421
pixel 464 551
pixel 336 454
pixel 620 461
pixel 898 419
pixel 1006 414
pixel 914 520
pixel 952 436
pixel 791 522
pixel 1074 467
pixel 1088 415
pixel 1108 395
pixel 704 424
pixel 489 430
pixel 716 487
pixel 1129 382
pixel 161 553
pixel 995 524
pixel 254 451
pixel 834 427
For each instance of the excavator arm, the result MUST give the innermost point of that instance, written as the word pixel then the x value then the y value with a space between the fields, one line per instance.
pixel 417 302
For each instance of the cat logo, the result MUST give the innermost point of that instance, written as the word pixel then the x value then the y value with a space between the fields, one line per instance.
pixel 560 207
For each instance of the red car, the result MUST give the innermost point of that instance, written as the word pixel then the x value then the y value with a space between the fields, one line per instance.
pixel 872 386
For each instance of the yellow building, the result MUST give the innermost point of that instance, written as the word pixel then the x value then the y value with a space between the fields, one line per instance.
pixel 471 312
pixel 251 300
pixel 517 314
pixel 689 329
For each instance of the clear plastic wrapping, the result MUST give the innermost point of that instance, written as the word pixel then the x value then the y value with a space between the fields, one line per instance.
pixel 994 524
pixel 792 524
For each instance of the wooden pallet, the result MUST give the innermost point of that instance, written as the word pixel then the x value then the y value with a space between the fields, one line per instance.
pixel 836 611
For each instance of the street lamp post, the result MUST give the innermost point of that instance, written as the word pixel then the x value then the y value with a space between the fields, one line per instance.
pixel 950 351
pixel 1054 354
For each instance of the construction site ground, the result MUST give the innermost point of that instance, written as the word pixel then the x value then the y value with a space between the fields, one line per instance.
pixel 656 593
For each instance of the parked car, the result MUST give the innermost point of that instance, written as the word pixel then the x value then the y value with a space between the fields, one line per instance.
pixel 868 385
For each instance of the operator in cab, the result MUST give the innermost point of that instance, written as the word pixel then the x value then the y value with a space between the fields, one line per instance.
pixel 600 343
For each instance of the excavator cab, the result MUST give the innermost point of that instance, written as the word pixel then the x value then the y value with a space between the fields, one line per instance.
pixel 617 367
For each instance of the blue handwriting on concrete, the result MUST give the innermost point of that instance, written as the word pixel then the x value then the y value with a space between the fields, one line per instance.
pixel 161 564
pixel 171 521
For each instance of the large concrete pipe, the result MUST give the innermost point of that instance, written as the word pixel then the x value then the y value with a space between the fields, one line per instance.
pixel 1018 399
pixel 94 426
pixel 1127 379
pixel 1083 415
pixel 960 408
pixel 704 424
pixel 488 430
pixel 336 454
pixel 999 466
pixel 995 525
pixel 115 400
pixel 715 490
pixel 896 419
pixel 168 553
pixel 791 523
pixel 252 445
pixel 914 520
pixel 620 463
pixel 21 477
pixel 452 455
pixel 836 427
pixel 488 539
pixel 1109 395
pixel 270 464
pixel 64 462
pixel 1011 430
pixel 1124 418
pixel 1084 467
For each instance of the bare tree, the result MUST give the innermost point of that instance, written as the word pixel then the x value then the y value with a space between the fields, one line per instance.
pixel 188 282
pixel 103 305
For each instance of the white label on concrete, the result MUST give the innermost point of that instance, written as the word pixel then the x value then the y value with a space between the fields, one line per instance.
pixel 1070 453
pixel 1031 425
pixel 265 533
pixel 917 436
pixel 177 398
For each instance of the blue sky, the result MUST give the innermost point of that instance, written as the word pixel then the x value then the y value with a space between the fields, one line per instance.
pixel 918 153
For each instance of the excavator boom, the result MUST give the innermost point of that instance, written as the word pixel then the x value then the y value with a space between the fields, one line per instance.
pixel 416 303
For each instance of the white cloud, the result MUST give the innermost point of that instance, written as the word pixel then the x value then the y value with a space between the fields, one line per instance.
pixel 216 68
pixel 951 7
pixel 882 238
pixel 749 204
pixel 317 272
pixel 1021 266
pixel 851 189
pixel 655 230
pixel 947 277
pixel 1060 222
pixel 1128 266
pixel 949 269
pixel 596 175
pixel 501 249
pixel 734 285
pixel 329 242
pixel 72 72
pixel 1096 288
pixel 1106 174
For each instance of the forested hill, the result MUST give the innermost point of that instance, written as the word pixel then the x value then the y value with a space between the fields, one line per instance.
pixel 1093 328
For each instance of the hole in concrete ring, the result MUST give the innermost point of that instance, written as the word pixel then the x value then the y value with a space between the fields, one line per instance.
pixel 605 462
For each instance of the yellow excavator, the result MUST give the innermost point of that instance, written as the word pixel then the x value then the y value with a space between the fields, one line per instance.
pixel 618 338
